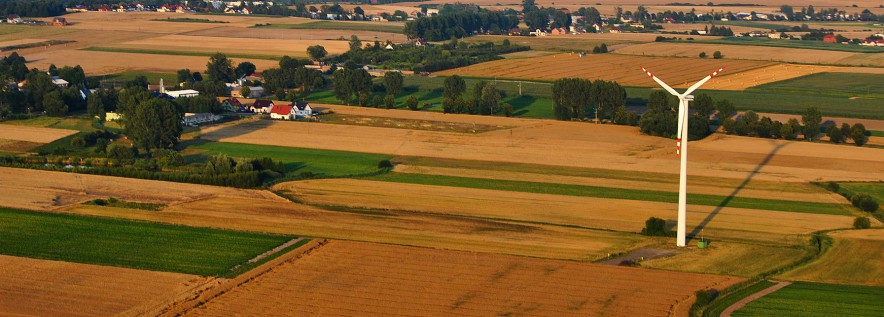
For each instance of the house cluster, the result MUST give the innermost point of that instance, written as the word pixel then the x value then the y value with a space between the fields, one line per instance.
pixel 296 110
pixel 874 40
pixel 131 7
pixel 15 19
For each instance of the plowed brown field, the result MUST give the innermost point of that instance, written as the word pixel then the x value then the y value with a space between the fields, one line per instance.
pixel 624 69
pixel 602 213
pixel 350 278
pixel 31 287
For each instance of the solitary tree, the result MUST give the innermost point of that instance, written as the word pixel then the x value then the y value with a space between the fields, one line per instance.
pixel 393 82
pixel 411 102
pixel 355 43
pixel 155 123
pixel 54 105
pixel 316 52
pixel 454 87
pixel 245 92
pixel 490 99
pixel 244 69
pixel 717 55
pixel 858 134
pixel 220 68
pixel 702 54
pixel 812 118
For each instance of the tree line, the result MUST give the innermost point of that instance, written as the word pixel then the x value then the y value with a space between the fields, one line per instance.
pixel 577 98
pixel 485 98
pixel 458 25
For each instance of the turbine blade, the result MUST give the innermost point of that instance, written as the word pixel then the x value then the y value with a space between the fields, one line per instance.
pixel 661 83
pixel 701 82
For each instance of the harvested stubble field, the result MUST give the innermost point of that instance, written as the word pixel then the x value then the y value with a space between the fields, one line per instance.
pixel 296 34
pixel 584 212
pixel 624 69
pixel 729 258
pixel 32 287
pixel 271 47
pixel 33 134
pixel 532 141
pixel 761 53
pixel 261 211
pixel 854 258
pixel 346 278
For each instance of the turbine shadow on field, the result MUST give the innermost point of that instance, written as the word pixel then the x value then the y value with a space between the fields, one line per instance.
pixel 736 191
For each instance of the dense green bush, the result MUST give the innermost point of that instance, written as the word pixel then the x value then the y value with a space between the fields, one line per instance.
pixel 862 223
pixel 656 227
pixel 864 202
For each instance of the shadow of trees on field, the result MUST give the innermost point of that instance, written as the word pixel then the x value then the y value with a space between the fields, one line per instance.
pixel 736 191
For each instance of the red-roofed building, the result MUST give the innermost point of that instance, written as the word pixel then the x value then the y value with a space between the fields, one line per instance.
pixel 830 38
pixel 281 112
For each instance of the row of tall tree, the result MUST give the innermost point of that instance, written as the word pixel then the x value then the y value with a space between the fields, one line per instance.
pixel 458 25
pixel 577 98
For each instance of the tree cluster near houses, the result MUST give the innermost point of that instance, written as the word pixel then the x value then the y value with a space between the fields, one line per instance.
pixel 54 92
pixel 292 73
pixel 661 118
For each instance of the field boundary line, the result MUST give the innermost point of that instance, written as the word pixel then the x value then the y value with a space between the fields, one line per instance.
pixel 746 300
pixel 197 298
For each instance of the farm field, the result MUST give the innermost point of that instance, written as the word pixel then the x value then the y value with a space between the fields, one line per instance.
pixel 730 258
pixel 261 211
pixel 295 34
pixel 624 69
pixel 363 277
pixel 102 63
pixel 129 244
pixel 33 133
pixel 774 54
pixel 801 299
pixel 875 190
pixel 337 25
pixel 866 86
pixel 854 258
pixel 716 156
pixel 815 45
pixel 51 288
pixel 268 47
pixel 564 210
pixel 318 162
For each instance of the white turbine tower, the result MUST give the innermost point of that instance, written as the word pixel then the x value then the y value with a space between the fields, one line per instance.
pixel 681 149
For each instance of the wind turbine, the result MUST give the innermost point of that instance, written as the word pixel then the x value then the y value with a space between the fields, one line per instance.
pixel 681 149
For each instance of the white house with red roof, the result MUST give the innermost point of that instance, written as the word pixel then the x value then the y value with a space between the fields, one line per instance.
pixel 282 112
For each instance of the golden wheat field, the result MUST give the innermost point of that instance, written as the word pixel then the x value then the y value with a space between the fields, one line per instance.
pixel 776 54
pixel 855 258
pixel 33 287
pixel 624 69
pixel 33 134
pixel 346 278
pixel 232 45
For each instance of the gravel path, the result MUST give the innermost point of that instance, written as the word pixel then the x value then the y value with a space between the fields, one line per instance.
pixel 727 312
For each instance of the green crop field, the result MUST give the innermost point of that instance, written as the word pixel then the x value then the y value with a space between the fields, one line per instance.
pixel 337 25
pixel 318 162
pixel 140 245
pixel 619 193
pixel 817 299
pixel 720 305
pixel 831 84
pixel 179 53
pixel 876 190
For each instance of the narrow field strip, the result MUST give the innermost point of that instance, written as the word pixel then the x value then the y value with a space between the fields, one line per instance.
pixel 620 193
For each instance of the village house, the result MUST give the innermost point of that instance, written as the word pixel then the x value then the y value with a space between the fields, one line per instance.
pixel 175 94
pixel 61 83
pixel 282 112
pixel 538 32
pixel 829 38
pixel 13 19
pixel 302 109
pixel 261 106
pixel 59 21
pixel 104 8
pixel 232 105
pixel 558 31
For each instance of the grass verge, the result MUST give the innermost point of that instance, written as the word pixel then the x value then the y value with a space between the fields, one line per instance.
pixel 132 244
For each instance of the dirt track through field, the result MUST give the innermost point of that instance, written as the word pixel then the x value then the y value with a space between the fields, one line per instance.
pixel 53 288
pixel 353 278
pixel 743 302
